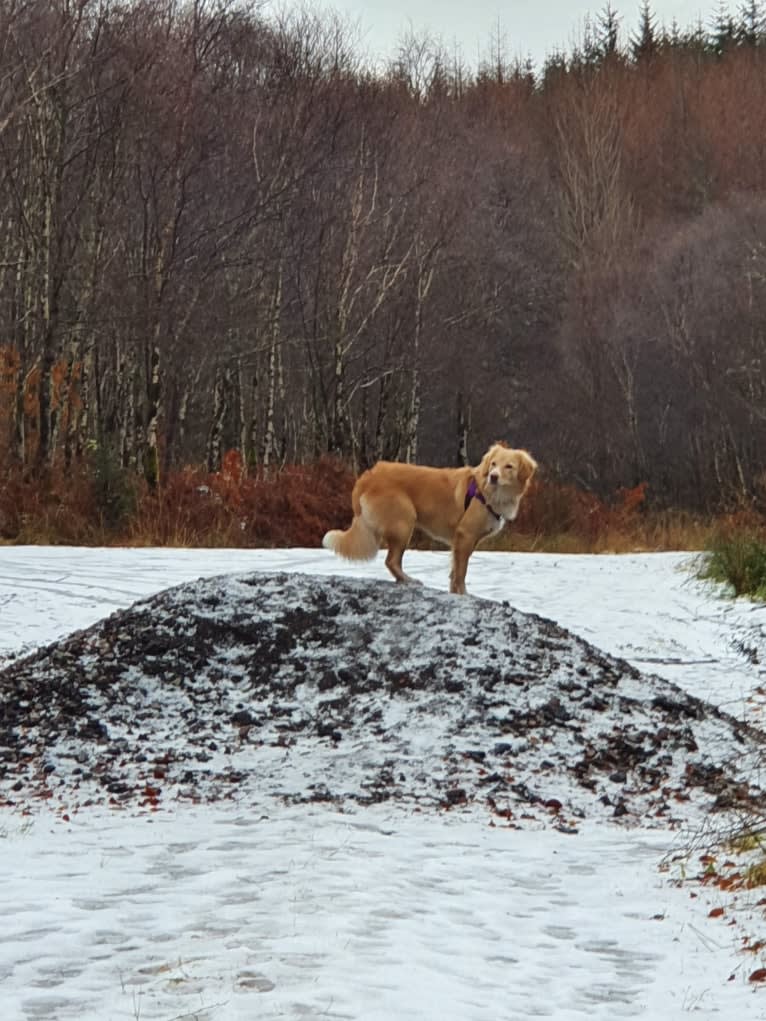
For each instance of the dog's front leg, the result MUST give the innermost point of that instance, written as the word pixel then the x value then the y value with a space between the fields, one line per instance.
pixel 463 546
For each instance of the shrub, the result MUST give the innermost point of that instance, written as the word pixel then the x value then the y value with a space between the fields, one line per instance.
pixel 114 491
pixel 59 510
pixel 98 501
pixel 737 559
pixel 291 506
pixel 559 516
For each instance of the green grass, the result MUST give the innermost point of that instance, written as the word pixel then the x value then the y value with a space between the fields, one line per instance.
pixel 739 561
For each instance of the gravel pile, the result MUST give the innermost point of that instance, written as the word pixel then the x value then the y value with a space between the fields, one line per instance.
pixel 260 687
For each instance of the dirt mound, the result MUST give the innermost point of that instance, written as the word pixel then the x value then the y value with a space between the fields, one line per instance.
pixel 255 687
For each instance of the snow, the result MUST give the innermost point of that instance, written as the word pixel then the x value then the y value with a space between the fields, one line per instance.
pixel 239 910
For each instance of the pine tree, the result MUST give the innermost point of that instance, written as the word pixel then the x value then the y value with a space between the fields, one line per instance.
pixel 752 24
pixel 693 40
pixel 724 30
pixel 586 55
pixel 607 33
pixel 643 45
pixel 554 68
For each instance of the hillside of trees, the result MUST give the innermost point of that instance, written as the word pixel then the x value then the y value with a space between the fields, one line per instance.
pixel 226 232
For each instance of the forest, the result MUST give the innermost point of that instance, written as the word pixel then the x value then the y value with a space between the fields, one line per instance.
pixel 227 238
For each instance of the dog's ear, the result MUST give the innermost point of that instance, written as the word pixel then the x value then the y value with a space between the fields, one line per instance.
pixel 527 466
pixel 483 470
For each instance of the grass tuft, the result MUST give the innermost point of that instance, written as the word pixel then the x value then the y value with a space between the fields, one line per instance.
pixel 755 875
pixel 737 559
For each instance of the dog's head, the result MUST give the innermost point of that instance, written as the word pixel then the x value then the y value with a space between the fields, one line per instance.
pixel 504 475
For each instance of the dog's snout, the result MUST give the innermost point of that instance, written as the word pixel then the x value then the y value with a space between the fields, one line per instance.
pixel 494 476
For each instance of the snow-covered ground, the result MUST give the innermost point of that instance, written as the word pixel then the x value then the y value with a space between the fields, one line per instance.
pixel 228 912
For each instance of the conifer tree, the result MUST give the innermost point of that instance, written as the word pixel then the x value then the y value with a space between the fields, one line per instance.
pixel 751 28
pixel 724 30
pixel 643 45
pixel 607 33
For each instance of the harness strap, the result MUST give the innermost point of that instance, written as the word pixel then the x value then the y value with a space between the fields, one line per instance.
pixel 474 493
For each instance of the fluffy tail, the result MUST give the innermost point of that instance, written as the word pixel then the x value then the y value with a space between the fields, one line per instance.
pixel 359 542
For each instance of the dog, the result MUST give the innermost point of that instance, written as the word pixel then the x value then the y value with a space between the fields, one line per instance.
pixel 457 506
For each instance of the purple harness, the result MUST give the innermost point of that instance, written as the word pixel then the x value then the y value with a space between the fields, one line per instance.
pixel 473 492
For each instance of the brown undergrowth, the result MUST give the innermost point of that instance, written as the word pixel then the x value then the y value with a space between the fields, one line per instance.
pixel 98 504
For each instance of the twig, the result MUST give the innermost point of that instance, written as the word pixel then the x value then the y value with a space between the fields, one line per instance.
pixel 195 1013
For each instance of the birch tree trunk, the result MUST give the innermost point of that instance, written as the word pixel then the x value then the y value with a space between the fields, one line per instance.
pixel 151 458
pixel 463 428
pixel 269 438
pixel 252 427
pixel 424 281
pixel 47 415
pixel 88 420
pixel 221 395
pixel 125 398
pixel 244 449
pixel 68 406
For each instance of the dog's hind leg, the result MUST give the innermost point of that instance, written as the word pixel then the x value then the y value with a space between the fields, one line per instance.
pixel 394 556
pixel 393 517
pixel 397 539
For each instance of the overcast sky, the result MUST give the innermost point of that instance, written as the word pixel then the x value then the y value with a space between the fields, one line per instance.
pixel 530 27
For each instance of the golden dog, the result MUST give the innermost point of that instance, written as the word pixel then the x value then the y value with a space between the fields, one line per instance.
pixel 456 506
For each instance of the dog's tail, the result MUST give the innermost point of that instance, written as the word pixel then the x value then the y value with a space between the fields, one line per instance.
pixel 359 542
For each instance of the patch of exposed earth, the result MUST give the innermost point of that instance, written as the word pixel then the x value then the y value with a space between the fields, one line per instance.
pixel 259 687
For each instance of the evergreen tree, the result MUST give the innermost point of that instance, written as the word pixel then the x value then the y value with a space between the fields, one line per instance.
pixel 724 30
pixel 752 24
pixel 643 45
pixel 586 56
pixel 694 40
pixel 607 33
pixel 676 35
pixel 554 68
